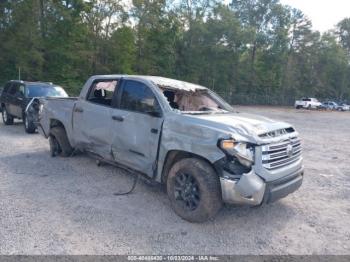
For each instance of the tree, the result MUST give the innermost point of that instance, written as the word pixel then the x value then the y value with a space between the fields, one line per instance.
pixel 251 51
pixel 343 31
pixel 157 32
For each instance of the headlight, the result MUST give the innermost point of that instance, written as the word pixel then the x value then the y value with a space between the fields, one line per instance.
pixel 240 150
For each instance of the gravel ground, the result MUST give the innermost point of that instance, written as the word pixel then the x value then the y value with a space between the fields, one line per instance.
pixel 66 206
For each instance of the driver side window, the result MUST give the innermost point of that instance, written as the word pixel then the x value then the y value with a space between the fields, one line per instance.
pixel 137 97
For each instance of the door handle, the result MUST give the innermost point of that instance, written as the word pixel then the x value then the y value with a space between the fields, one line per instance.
pixel 78 110
pixel 154 131
pixel 118 118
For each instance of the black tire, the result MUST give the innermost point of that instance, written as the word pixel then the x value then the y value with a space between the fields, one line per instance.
pixel 309 107
pixel 298 107
pixel 29 126
pixel 6 117
pixel 59 144
pixel 205 192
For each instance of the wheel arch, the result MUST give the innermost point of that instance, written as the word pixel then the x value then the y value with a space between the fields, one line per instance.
pixel 57 123
pixel 174 156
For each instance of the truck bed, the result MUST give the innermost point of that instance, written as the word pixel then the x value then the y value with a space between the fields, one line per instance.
pixel 60 109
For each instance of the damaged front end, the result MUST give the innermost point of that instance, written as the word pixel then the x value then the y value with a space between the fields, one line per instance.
pixel 253 174
pixel 239 183
pixel 248 190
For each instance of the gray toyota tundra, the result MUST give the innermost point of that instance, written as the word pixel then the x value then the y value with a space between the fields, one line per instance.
pixel 179 134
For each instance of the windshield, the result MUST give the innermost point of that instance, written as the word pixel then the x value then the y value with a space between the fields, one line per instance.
pixel 199 101
pixel 45 91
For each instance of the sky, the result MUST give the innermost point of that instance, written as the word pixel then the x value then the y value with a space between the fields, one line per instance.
pixel 324 14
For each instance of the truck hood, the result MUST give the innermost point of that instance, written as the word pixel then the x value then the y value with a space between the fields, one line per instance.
pixel 247 125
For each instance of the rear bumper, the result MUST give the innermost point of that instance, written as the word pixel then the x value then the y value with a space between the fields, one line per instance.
pixel 252 190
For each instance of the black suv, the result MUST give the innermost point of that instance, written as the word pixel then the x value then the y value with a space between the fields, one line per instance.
pixel 18 95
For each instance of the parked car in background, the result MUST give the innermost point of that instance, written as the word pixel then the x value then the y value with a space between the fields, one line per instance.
pixel 330 105
pixel 308 103
pixel 179 134
pixel 18 95
pixel 343 107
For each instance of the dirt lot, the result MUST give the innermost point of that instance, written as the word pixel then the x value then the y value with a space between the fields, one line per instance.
pixel 66 206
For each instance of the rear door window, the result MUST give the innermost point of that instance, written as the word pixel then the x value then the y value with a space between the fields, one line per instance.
pixel 101 92
pixel 14 89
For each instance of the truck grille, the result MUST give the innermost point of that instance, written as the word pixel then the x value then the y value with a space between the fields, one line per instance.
pixel 281 154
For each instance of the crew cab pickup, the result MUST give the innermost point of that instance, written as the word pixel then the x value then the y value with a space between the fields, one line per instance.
pixel 308 103
pixel 17 97
pixel 179 134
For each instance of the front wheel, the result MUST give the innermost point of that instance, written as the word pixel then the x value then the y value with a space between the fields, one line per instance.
pixel 193 188
pixel 6 117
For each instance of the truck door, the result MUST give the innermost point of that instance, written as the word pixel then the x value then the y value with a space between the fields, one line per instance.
pixel 137 126
pixel 92 118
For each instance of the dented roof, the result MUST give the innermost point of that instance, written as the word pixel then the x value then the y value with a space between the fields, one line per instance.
pixel 172 83
pixel 162 82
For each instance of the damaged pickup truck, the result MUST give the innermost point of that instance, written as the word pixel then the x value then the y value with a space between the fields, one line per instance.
pixel 179 134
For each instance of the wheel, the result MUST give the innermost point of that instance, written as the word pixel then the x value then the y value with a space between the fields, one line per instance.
pixel 309 107
pixel 6 117
pixel 29 126
pixel 59 144
pixel 193 188
pixel 297 107
pixel 55 148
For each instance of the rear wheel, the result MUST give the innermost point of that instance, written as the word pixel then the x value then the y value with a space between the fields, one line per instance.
pixel 59 144
pixel 29 126
pixel 6 117
pixel 194 191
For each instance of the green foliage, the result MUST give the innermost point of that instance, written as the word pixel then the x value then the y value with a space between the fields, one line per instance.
pixel 256 51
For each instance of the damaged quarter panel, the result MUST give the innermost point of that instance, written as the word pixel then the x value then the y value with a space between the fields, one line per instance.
pixel 57 110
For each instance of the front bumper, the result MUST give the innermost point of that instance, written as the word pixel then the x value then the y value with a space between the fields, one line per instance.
pixel 252 190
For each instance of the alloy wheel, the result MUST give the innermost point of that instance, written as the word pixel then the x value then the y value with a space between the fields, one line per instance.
pixel 186 190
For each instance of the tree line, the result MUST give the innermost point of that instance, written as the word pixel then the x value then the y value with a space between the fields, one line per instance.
pixel 250 52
